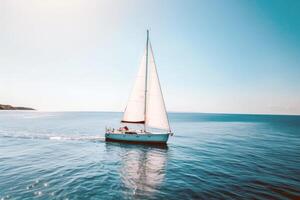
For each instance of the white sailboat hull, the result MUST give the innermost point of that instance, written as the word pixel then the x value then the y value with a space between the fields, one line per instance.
pixel 145 138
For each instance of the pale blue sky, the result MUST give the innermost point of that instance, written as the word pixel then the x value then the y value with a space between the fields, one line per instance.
pixel 212 56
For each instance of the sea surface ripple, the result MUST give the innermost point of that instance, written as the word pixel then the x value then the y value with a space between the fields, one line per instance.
pixel 63 155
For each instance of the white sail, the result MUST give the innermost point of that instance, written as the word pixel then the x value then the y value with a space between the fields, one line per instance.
pixel 156 115
pixel 147 90
pixel 135 109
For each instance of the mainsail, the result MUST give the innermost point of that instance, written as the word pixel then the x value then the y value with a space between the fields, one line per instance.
pixel 146 104
pixel 134 111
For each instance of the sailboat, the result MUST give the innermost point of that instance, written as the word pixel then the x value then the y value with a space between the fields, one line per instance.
pixel 145 107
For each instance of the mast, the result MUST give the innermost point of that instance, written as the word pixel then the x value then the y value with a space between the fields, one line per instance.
pixel 145 108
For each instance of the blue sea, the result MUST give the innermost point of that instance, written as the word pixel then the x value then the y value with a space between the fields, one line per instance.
pixel 63 155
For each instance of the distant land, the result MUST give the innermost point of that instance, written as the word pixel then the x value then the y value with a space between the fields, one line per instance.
pixel 9 107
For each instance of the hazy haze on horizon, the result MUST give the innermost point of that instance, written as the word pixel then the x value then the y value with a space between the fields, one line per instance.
pixel 212 56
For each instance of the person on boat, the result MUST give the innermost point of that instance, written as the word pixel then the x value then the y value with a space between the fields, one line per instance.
pixel 126 128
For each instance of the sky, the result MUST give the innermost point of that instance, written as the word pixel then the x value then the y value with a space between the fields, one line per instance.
pixel 215 56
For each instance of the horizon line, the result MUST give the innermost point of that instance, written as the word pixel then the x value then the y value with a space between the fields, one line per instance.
pixel 183 112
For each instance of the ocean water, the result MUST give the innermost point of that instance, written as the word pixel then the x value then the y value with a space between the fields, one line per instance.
pixel 63 155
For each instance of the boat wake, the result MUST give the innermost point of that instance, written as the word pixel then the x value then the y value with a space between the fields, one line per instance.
pixel 54 137
pixel 80 138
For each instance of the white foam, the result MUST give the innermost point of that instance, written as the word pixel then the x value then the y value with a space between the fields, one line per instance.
pixel 55 138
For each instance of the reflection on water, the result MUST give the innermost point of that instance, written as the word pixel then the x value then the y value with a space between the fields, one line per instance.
pixel 142 169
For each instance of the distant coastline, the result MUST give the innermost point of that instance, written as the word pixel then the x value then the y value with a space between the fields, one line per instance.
pixel 9 107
